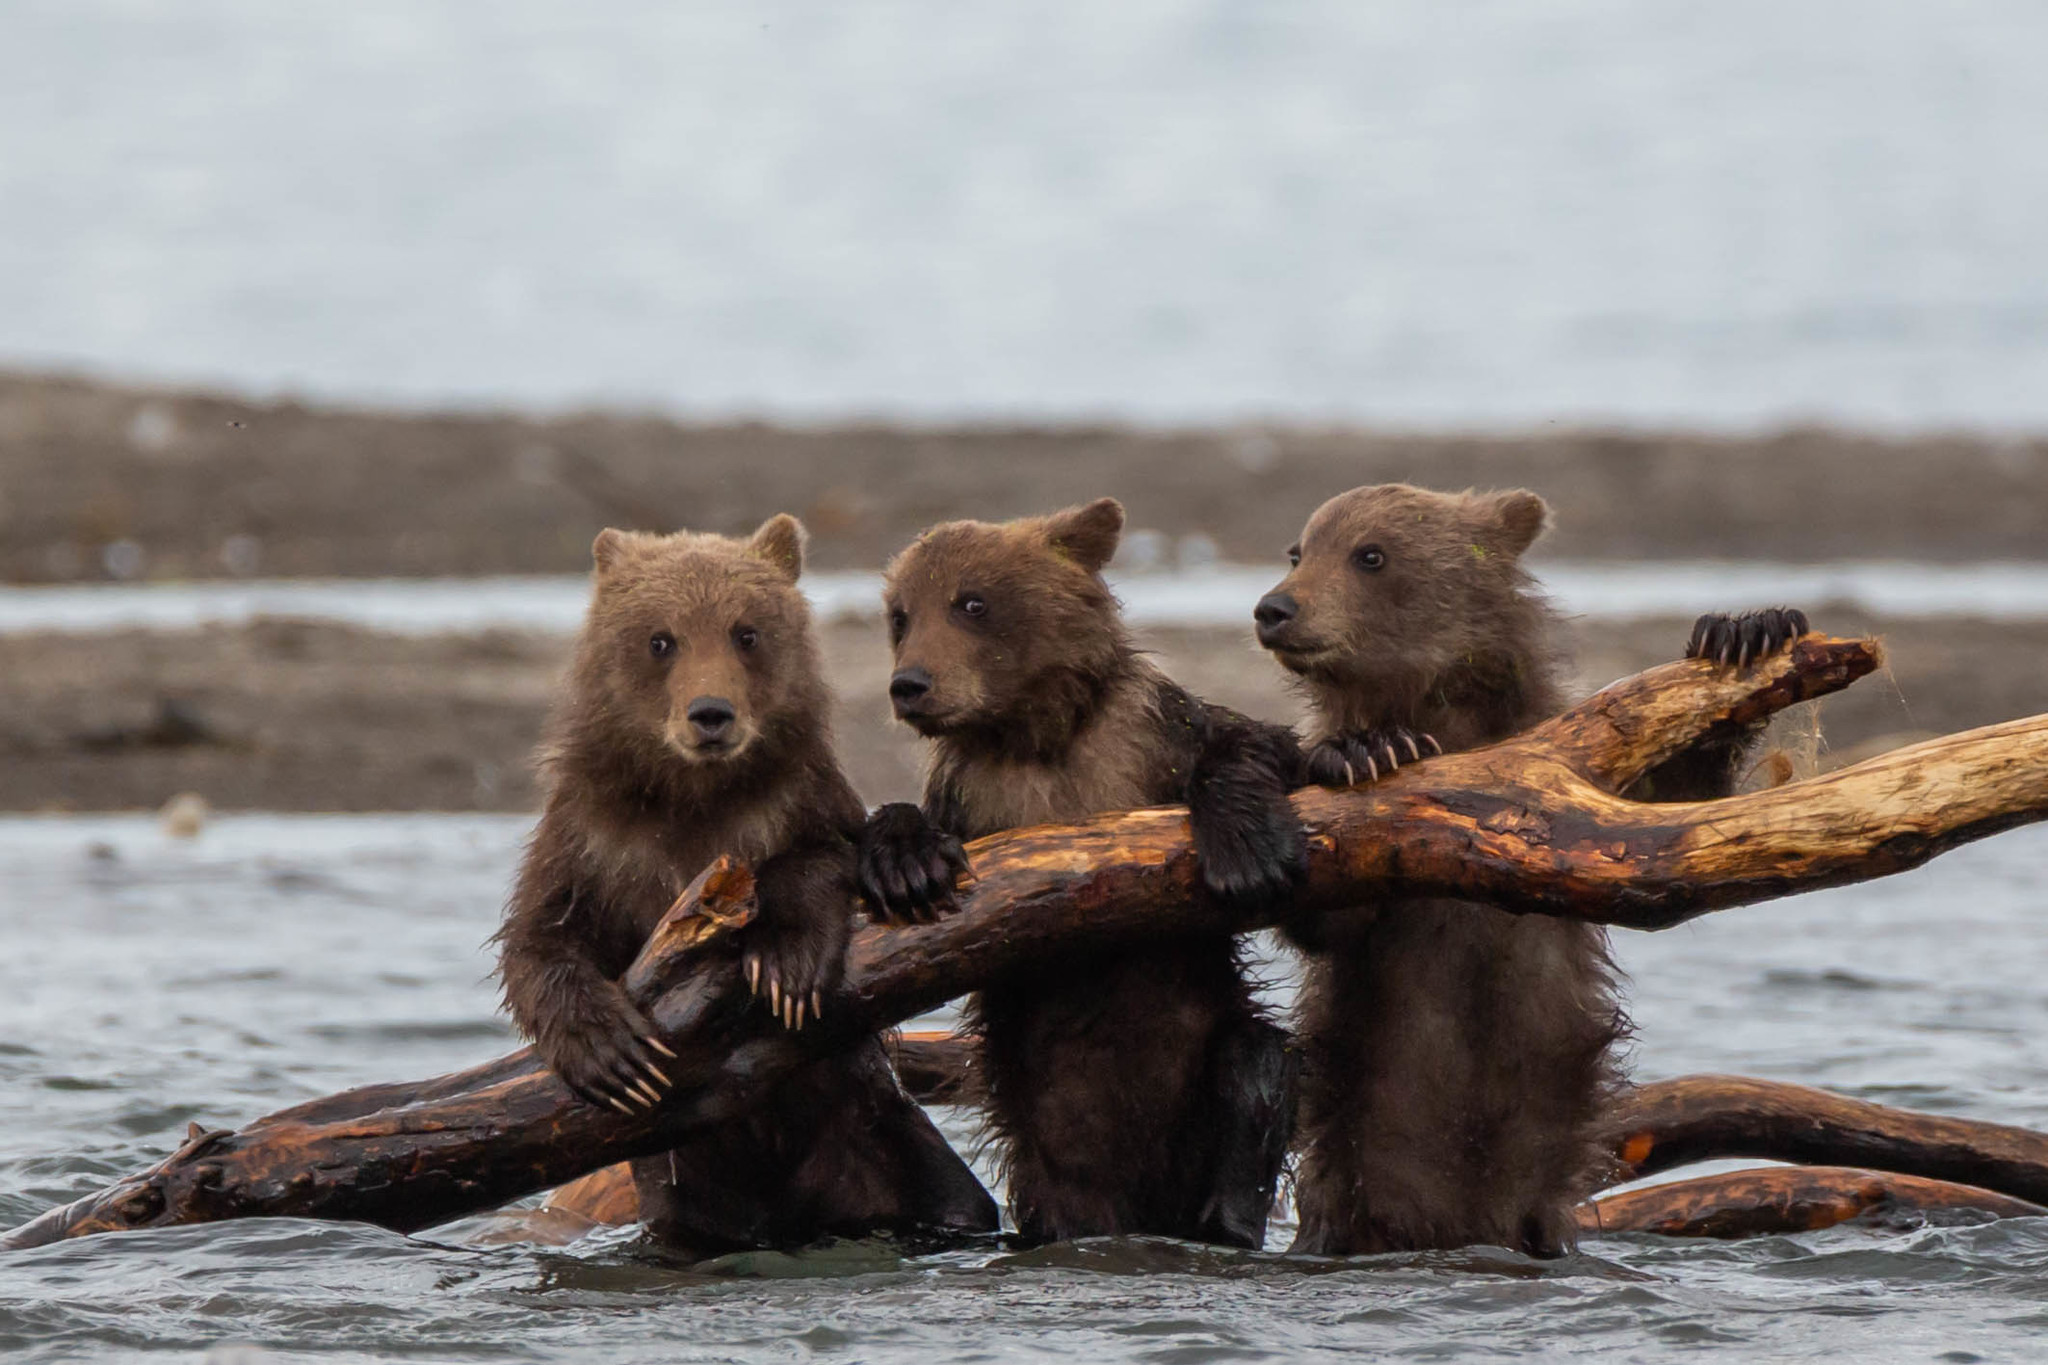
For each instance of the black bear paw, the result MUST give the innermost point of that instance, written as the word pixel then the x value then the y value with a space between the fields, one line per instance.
pixel 1367 755
pixel 1251 858
pixel 907 865
pixel 615 1061
pixel 793 961
pixel 1740 640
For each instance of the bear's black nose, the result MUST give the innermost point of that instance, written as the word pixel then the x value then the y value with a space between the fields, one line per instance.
pixel 1273 613
pixel 908 688
pixel 711 718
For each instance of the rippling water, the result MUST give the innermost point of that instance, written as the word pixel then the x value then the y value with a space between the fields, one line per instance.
pixel 1491 212
pixel 150 983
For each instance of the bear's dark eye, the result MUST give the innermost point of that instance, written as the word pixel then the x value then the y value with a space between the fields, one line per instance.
pixel 1369 558
pixel 662 644
pixel 745 637
pixel 1294 556
pixel 899 623
pixel 973 606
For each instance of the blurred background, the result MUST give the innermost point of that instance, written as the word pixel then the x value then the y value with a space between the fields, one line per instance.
pixel 429 291
pixel 331 334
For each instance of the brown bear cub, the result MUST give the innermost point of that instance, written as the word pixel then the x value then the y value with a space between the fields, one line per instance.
pixel 1126 1091
pixel 1457 1055
pixel 694 725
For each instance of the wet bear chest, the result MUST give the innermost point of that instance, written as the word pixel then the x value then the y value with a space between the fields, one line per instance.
pixel 1007 795
pixel 643 867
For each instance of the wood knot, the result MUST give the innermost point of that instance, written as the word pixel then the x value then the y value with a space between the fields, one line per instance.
pixel 1518 822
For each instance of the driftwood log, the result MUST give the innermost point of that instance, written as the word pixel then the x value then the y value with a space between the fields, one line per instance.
pixel 1780 1199
pixel 1532 824
pixel 1667 1124
pixel 1663 1125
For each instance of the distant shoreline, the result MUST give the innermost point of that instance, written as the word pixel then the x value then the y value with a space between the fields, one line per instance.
pixel 103 481
pixel 280 714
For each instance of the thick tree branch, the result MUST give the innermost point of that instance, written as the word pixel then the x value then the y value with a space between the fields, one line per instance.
pixel 1674 1123
pixel 1779 1199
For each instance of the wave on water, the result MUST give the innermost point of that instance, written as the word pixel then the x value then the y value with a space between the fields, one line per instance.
pixel 376 969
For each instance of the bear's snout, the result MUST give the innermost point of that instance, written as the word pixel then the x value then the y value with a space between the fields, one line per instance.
pixel 711 720
pixel 908 691
pixel 1275 617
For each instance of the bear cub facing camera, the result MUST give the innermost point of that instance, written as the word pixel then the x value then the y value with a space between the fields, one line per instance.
pixel 1457 1056
pixel 1138 1091
pixel 694 724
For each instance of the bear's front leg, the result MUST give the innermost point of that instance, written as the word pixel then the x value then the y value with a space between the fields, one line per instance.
pixel 794 953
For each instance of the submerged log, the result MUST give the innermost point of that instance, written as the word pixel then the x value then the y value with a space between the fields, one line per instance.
pixel 1674 1123
pixel 1532 824
pixel 1780 1199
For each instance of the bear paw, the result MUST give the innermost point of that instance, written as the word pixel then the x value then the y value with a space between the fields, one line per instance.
pixel 1250 855
pixel 1367 755
pixel 793 961
pixel 615 1061
pixel 1739 640
pixel 907 865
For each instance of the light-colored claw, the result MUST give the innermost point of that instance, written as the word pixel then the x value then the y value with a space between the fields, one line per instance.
pixel 1393 759
pixel 615 1102
pixel 1434 747
pixel 775 995
pixel 657 1075
pixel 647 1093
pixel 659 1046
pixel 817 1004
pixel 1414 753
pixel 799 1014
pixel 1350 774
pixel 1372 768
pixel 753 978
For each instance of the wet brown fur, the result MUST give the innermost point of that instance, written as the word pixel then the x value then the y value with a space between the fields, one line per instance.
pixel 1457 1055
pixel 1127 1092
pixel 638 803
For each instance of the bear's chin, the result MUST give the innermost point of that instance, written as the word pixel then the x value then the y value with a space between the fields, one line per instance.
pixel 1307 661
pixel 709 755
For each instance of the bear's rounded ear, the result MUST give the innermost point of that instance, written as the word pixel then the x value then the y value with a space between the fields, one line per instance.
pixel 1518 517
pixel 607 549
pixel 1088 534
pixel 780 541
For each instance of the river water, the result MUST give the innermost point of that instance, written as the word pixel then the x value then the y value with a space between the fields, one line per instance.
pixel 149 983
pixel 1495 212
pixel 1208 595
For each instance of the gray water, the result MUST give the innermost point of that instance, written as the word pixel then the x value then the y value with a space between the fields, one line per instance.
pixel 1493 211
pixel 149 983
pixel 1213 595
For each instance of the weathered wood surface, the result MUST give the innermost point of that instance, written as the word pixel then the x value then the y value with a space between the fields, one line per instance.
pixel 1674 1123
pixel 1531 824
pixel 1779 1199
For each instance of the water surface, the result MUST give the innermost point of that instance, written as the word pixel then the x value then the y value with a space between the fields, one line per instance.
pixel 1211 595
pixel 1493 212
pixel 151 983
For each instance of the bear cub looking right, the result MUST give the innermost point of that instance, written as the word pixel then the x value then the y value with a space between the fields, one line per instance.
pixel 1140 1091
